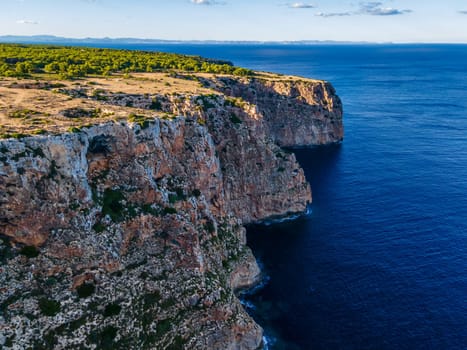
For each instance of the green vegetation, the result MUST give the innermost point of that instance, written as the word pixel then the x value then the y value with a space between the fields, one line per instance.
pixel 112 204
pixel 148 209
pixel 234 102
pixel 141 120
pixel 210 227
pixel 74 129
pixel 98 227
pixel 14 135
pixel 151 299
pixel 22 114
pixel 156 104
pixel 112 310
pixel 177 344
pixel 29 251
pixel 76 62
pixel 53 169
pixel 207 101
pixel 5 249
pixel 81 113
pixel 39 132
pixel 49 307
pixel 235 119
pixel 169 210
pixel 105 338
pixel 38 152
pixel 179 195
pixel 163 326
pixel 9 341
pixel 86 290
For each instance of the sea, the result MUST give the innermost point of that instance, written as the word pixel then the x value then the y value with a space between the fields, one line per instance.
pixel 380 262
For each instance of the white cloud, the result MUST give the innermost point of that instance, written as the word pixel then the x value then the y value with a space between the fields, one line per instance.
pixel 333 14
pixel 373 8
pixel 376 9
pixel 207 2
pixel 463 12
pixel 300 5
pixel 26 21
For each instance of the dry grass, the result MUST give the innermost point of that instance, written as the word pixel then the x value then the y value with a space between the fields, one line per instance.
pixel 28 106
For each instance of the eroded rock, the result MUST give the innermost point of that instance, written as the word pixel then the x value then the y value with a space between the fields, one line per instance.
pixel 139 227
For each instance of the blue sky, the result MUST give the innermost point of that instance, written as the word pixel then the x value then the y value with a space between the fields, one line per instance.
pixel 386 20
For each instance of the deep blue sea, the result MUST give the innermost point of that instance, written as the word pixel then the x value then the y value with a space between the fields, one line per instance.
pixel 381 263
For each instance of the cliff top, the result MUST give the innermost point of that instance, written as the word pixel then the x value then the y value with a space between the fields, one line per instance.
pixel 51 89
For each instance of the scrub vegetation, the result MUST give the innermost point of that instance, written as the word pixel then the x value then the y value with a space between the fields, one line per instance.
pixel 75 62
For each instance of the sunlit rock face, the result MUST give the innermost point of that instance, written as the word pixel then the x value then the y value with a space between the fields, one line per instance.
pixel 127 235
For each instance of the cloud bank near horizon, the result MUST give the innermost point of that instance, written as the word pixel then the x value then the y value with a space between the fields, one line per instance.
pixel 373 8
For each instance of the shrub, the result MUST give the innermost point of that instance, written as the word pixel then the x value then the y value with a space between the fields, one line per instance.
pixel 141 120
pixel 98 227
pixel 209 226
pixel 74 129
pixel 112 310
pixel 22 114
pixel 156 104
pixel 105 338
pixel 148 209
pixel 170 210
pixel 29 251
pixel 112 204
pixel 235 119
pixel 17 135
pixel 39 132
pixel 86 290
pixel 49 307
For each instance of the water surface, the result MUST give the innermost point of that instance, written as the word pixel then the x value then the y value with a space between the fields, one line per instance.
pixel 381 261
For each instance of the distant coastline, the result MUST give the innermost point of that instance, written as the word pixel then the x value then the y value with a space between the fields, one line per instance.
pixel 52 39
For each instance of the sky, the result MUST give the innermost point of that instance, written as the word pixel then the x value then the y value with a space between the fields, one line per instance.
pixel 259 20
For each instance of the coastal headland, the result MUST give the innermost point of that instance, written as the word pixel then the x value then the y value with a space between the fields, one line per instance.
pixel 124 193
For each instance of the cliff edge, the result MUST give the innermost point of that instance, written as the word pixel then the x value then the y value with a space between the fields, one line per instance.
pixel 122 226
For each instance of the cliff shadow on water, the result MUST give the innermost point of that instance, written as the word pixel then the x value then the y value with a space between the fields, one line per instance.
pixel 278 246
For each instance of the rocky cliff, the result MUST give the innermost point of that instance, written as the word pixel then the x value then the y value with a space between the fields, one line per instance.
pixel 129 234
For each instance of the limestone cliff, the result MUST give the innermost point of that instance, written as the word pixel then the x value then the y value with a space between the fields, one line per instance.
pixel 129 235
pixel 297 113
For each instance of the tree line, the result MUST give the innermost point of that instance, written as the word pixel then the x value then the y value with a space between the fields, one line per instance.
pixel 75 62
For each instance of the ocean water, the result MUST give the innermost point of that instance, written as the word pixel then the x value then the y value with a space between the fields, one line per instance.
pixel 381 262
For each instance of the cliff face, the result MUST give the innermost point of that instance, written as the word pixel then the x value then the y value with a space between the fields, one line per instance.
pixel 298 113
pixel 129 235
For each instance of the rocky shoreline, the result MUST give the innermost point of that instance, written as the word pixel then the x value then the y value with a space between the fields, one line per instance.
pixel 130 234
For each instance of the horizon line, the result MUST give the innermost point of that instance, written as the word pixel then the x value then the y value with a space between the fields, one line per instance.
pixel 56 38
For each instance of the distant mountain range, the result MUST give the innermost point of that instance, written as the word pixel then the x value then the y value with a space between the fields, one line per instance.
pixel 51 39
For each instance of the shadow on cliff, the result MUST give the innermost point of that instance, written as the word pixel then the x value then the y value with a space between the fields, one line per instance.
pixel 298 113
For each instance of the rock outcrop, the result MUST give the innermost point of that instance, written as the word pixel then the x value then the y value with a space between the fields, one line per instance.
pixel 298 113
pixel 130 235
